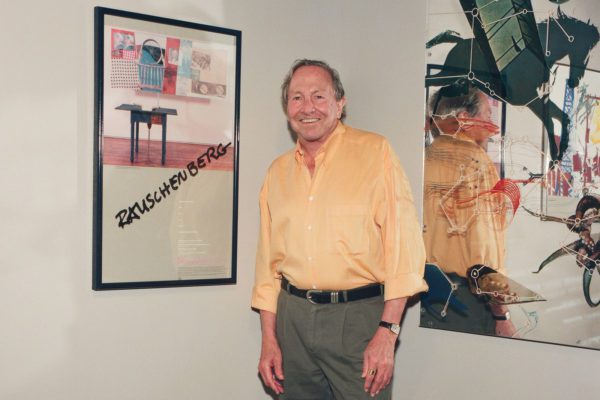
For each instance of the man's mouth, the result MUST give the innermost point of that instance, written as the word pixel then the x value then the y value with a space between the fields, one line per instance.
pixel 309 120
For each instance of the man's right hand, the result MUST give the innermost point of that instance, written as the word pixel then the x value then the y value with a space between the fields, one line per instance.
pixel 270 365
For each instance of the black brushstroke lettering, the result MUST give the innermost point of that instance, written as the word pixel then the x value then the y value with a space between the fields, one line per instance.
pixel 150 200
pixel 181 176
pixel 127 216
pixel 132 214
pixel 192 168
pixel 222 150
pixel 165 189
pixel 143 208
pixel 210 152
pixel 173 182
pixel 201 163
pixel 121 218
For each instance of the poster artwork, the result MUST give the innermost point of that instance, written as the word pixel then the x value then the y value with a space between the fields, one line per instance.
pixel 123 54
pixel 512 169
pixel 167 65
pixel 165 156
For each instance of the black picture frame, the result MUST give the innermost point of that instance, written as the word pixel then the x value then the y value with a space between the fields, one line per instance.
pixel 165 207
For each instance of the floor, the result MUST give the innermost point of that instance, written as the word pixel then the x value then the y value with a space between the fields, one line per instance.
pixel 116 151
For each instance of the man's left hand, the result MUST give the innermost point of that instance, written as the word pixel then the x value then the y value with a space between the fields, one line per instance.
pixel 378 361
pixel 506 329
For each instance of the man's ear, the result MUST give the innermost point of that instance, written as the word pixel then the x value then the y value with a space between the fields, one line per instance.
pixel 341 103
pixel 463 114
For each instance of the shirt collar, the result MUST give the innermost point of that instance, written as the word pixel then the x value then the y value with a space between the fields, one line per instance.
pixel 463 136
pixel 327 147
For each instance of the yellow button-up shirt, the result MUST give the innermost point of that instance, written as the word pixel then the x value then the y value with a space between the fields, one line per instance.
pixel 351 224
pixel 462 225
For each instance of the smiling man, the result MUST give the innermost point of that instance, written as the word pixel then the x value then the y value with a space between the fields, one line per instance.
pixel 339 252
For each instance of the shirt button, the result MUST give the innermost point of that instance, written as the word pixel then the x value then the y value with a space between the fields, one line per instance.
pixel 310 227
pixel 311 198
pixel 314 286
pixel 309 258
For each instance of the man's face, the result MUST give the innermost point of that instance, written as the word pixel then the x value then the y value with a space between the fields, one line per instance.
pixel 312 109
pixel 479 127
pixel 485 111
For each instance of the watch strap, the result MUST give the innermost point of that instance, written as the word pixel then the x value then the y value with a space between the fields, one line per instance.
pixel 394 328
pixel 502 317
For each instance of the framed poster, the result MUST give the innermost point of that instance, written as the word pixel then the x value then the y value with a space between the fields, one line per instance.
pixel 166 133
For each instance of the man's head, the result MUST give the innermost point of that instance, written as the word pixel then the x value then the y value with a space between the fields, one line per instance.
pixel 313 99
pixel 459 100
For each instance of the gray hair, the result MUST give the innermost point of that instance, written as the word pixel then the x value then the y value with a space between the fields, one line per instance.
pixel 338 88
pixel 452 99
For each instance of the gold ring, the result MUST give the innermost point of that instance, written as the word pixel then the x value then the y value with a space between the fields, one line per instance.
pixel 372 372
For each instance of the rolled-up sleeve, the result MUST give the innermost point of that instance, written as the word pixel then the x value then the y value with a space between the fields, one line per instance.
pixel 266 284
pixel 404 251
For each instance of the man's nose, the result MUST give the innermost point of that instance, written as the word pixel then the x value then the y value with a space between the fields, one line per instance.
pixel 308 106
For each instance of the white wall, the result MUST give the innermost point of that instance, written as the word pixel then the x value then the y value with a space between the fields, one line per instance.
pixel 61 340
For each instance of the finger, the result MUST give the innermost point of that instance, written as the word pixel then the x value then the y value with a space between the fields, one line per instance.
pixel 278 387
pixel 278 377
pixel 278 368
pixel 264 375
pixel 370 375
pixel 381 381
pixel 376 386
pixel 369 364
pixel 275 385
pixel 268 378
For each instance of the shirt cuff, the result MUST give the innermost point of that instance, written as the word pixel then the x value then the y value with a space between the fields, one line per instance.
pixel 404 285
pixel 265 300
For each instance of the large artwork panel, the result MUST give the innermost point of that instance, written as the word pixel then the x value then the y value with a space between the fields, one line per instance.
pixel 167 115
pixel 540 61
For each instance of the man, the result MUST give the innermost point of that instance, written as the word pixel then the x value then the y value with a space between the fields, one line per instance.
pixel 463 219
pixel 337 223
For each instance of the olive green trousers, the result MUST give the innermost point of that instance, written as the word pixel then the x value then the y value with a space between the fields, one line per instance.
pixel 323 346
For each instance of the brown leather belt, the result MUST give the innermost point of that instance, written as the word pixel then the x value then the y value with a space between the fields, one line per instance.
pixel 333 296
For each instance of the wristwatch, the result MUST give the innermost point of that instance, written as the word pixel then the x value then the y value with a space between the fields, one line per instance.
pixel 502 317
pixel 395 328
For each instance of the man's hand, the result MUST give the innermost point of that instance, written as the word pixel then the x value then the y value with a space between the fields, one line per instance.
pixel 270 365
pixel 378 358
pixel 506 329
pixel 378 361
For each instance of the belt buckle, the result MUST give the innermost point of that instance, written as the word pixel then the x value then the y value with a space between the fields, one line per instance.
pixel 309 295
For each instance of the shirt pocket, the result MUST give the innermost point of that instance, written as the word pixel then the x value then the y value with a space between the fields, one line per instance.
pixel 347 230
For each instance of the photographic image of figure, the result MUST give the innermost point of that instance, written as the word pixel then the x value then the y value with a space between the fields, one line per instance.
pixel 128 41
pixel 122 40
pixel 201 60
pixel 173 56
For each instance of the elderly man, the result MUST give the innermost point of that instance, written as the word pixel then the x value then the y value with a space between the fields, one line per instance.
pixel 463 219
pixel 339 252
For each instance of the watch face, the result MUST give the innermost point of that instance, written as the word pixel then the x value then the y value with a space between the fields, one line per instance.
pixel 395 328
